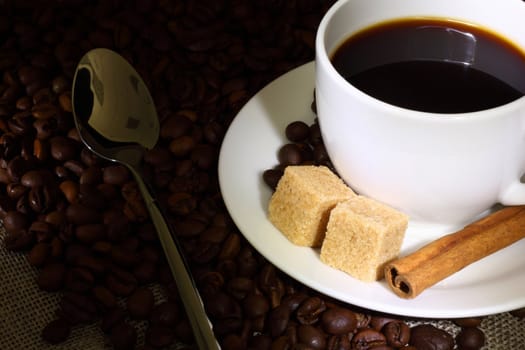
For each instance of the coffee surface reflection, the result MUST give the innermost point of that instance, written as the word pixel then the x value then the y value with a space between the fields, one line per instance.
pixel 433 65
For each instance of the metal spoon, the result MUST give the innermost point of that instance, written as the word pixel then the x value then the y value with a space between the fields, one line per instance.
pixel 116 118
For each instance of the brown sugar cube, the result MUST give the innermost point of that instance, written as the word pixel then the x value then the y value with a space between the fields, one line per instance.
pixel 362 235
pixel 301 203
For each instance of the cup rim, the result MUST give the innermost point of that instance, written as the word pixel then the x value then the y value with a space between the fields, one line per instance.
pixel 322 57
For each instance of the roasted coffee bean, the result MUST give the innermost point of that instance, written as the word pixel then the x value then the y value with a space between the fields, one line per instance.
pixel 165 314
pixel 213 132
pixel 116 175
pixel 204 156
pixel 121 282
pixel 23 206
pixel 310 310
pixel 57 248
pixel 112 318
pixel 77 308
pixel 339 342
pixel 272 176
pixel 338 321
pixel 150 253
pixel 51 277
pixel 311 336
pixel 43 231
pixel 74 166
pixel 36 178
pixel 159 336
pixel 14 221
pixel 160 158
pixel 88 158
pixel 10 146
pixel 278 320
pixel 56 331
pixel 91 175
pixel 320 155
pixel 230 247
pixel 282 343
pixel 41 150
pixel 70 190
pixel 93 263
pixel 468 322
pixel 43 96
pixel 247 263
pixel 90 196
pixel 140 303
pixel 214 234
pixel 117 225
pixel 123 336
pixel 19 240
pixel 104 297
pixel 60 84
pixel 204 252
pixel 232 342
pixel 222 306
pixel 368 339
pixel 44 110
pixel 175 126
pixel 41 199
pixel 90 233
pixel 210 282
pixel 39 254
pixel 80 214
pixel 260 342
pixel 24 103
pixel 255 305
pixel 426 336
pixel 470 338
pixel 29 74
pixel 45 128
pixel 61 172
pixel 63 148
pixel 182 146
pixel 20 123
pixel 145 271
pixel 271 284
pixel 182 203
pixel 297 131
pixel 55 218
pixel 240 287
pixel 74 251
pixel 6 205
pixel 377 322
pixel 290 154
pixel 17 167
pixel 397 333
pixel 79 280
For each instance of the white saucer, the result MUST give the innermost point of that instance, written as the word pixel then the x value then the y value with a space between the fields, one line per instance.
pixel 492 285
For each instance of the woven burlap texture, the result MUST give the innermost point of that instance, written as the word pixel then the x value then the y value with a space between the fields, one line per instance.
pixel 25 310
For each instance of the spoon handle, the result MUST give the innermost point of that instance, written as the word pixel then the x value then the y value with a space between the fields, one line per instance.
pixel 191 299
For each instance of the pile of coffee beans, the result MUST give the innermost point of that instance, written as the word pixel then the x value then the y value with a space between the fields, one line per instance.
pixel 81 221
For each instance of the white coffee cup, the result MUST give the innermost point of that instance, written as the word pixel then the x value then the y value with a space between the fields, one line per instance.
pixel 442 168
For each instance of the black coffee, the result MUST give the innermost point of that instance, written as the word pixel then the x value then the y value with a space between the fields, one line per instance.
pixel 433 65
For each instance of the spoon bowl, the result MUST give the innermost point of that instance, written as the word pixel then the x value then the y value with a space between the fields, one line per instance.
pixel 116 118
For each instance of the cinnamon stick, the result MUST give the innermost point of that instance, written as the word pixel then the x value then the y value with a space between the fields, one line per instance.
pixel 410 275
